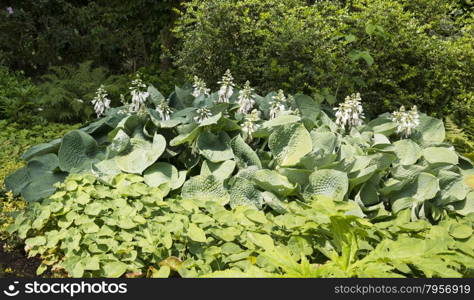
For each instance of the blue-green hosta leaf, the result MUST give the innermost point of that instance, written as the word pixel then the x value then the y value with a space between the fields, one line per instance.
pixel 324 141
pixel 440 155
pixel 382 125
pixel 308 108
pixel 182 98
pixel 42 187
pixel 205 188
pixel 328 183
pixel 243 192
pixel 222 170
pixel 296 176
pixel 281 120
pixel 272 181
pixel 186 137
pixel 160 173
pixel 466 206
pixel 155 96
pixel 51 147
pixel 16 181
pixel 77 151
pixel 274 202
pixel 141 154
pixel 424 187
pixel 407 151
pixel 430 130
pixel 211 120
pixel 40 164
pixel 289 143
pixel 215 148
pixel 244 155
pixel 119 143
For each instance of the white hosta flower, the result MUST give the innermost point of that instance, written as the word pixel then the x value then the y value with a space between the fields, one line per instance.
pixel 100 101
pixel 164 110
pixel 139 93
pixel 278 104
pixel 202 114
pixel 406 121
pixel 200 87
pixel 350 113
pixel 227 88
pixel 249 126
pixel 246 99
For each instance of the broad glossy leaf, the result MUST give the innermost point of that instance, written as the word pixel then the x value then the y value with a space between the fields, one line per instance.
pixel 407 151
pixel 440 155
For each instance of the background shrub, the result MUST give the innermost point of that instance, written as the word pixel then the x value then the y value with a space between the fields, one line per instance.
pixel 17 96
pixel 422 53
pixel 66 93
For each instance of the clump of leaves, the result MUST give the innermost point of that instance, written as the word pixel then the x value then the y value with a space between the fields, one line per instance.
pixel 200 146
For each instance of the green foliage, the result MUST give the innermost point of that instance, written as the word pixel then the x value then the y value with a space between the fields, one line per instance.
pixel 17 97
pixel 66 92
pixel 393 52
pixel 292 157
pixel 92 229
pixel 14 140
pixel 119 35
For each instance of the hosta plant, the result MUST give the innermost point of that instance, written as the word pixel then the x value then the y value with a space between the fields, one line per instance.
pixel 203 145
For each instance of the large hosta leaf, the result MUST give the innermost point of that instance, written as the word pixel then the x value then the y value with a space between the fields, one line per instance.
pixel 161 173
pixel 308 108
pixel 431 130
pixel 42 187
pixel 244 192
pixel 215 148
pixel 16 181
pixel 51 147
pixel 424 187
pixel 141 154
pixel 440 155
pixel 289 143
pixel 205 188
pixel 407 151
pixel 272 181
pixel 222 170
pixel 329 183
pixel 77 151
pixel 244 154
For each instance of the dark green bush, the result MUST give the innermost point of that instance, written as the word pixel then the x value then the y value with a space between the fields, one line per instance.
pixel 17 97
pixel 119 35
pixel 67 91
pixel 422 54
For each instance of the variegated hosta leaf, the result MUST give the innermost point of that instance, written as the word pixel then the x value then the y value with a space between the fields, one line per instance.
pixel 289 143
